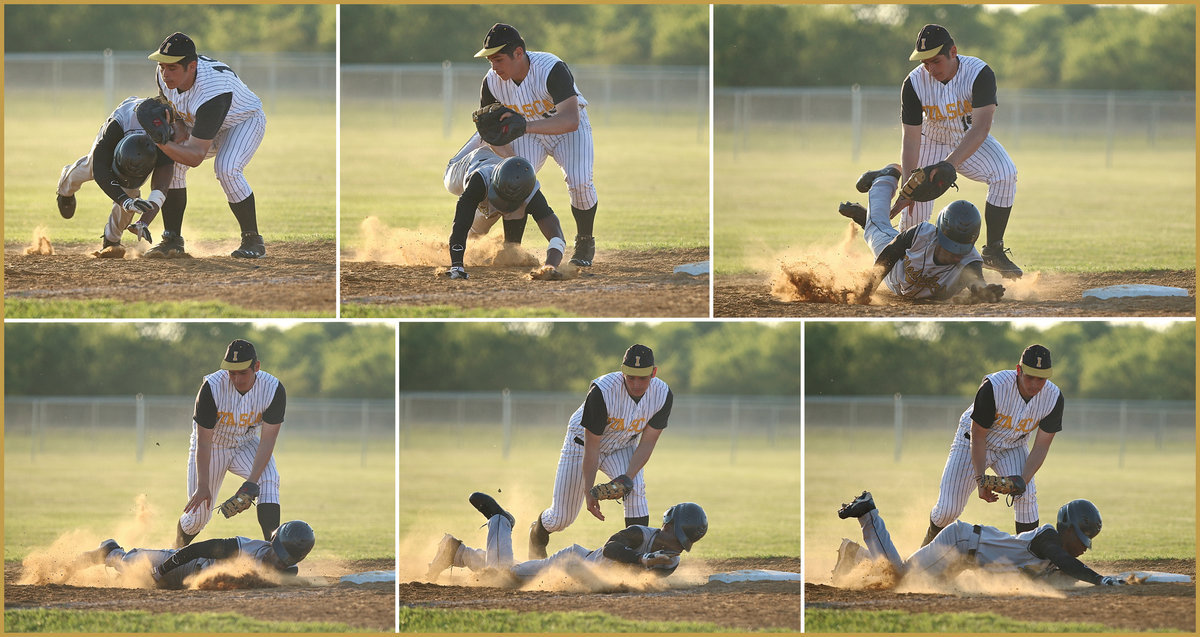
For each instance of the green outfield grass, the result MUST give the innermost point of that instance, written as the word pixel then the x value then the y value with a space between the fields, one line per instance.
pixel 1072 212
pixel 754 513
pixel 651 176
pixel 818 620
pixel 55 621
pixel 75 480
pixel 1147 503
pixel 422 620
pixel 293 173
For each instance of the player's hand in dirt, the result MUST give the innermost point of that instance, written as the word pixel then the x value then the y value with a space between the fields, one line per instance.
pixel 593 506
pixel 657 558
pixel 198 500
pixel 1109 580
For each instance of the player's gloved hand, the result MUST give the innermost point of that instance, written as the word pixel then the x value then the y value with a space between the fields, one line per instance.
pixel 141 230
pixel 1109 580
pixel 658 558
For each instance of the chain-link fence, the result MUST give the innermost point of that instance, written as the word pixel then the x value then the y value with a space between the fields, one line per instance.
pixel 652 91
pixel 49 423
pixel 1155 425
pixel 510 417
pixel 110 76
pixel 863 116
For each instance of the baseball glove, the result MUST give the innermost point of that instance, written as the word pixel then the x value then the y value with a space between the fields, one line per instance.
pixel 1011 485
pixel 930 182
pixel 620 485
pixel 494 130
pixel 241 500
pixel 156 115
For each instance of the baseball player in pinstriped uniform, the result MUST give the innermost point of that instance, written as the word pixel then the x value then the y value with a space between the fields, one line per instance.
pixel 172 568
pixel 226 120
pixel 237 418
pixel 925 261
pixel 540 87
pixel 1051 551
pixel 489 188
pixel 614 430
pixel 121 158
pixel 994 432
pixel 637 546
pixel 947 106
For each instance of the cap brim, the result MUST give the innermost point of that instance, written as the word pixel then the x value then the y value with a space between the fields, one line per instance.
pixel 164 58
pixel 637 371
pixel 486 52
pixel 1035 372
pixel 236 367
pixel 921 56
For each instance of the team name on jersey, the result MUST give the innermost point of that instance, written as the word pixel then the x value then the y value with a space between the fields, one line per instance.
pixel 1005 421
pixel 917 280
pixel 954 110
pixel 618 424
pixel 538 108
pixel 230 419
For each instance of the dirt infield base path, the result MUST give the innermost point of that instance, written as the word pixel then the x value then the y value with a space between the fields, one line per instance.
pixel 293 277
pixel 1143 607
pixel 741 606
pixel 622 283
pixel 315 599
pixel 1054 294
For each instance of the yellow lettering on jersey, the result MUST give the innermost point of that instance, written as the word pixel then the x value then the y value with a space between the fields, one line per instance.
pixel 638 424
pixel 952 110
pixel 1003 421
pixel 242 420
pixel 616 424
pixel 918 280
pixel 1026 424
pixel 536 109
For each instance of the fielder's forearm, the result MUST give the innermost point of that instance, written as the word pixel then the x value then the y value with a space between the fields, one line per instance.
pixel 641 455
pixel 910 151
pixel 1037 456
pixel 190 152
pixel 978 448
pixel 564 120
pixel 981 126
pixel 591 459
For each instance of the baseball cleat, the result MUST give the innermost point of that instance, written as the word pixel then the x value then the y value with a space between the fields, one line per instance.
pixel 98 555
pixel 252 247
pixel 457 272
pixel 854 212
pixel 488 506
pixel 170 247
pixel 858 507
pixel 869 177
pixel 539 538
pixel 66 206
pixel 444 558
pixel 585 250
pixel 995 257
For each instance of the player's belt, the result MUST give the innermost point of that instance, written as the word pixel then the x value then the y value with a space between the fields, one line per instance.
pixel 578 441
pixel 978 531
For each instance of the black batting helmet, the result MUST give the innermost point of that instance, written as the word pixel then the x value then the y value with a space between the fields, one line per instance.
pixel 1084 517
pixel 134 159
pixel 690 523
pixel 292 541
pixel 958 226
pixel 511 184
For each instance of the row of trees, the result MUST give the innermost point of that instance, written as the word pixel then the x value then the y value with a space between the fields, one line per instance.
pixel 255 28
pixel 314 360
pixel 1047 46
pixel 1091 359
pixel 693 358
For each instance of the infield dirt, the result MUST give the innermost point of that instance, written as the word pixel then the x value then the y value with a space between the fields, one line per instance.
pixel 742 606
pixel 1137 608
pixel 293 277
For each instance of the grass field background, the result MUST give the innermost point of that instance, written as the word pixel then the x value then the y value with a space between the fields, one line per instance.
pixel 293 173
pixel 78 481
pixel 651 176
pixel 779 195
pixel 754 512
pixel 1147 502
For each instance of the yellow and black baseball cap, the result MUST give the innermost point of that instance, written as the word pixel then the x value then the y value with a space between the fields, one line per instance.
pixel 932 39
pixel 178 47
pixel 500 36
pixel 239 356
pixel 639 361
pixel 1035 361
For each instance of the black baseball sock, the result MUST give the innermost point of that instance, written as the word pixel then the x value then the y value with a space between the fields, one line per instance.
pixel 182 539
pixel 268 518
pixel 514 229
pixel 642 521
pixel 997 221
pixel 172 210
pixel 246 215
pixel 584 220
pixel 1026 526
